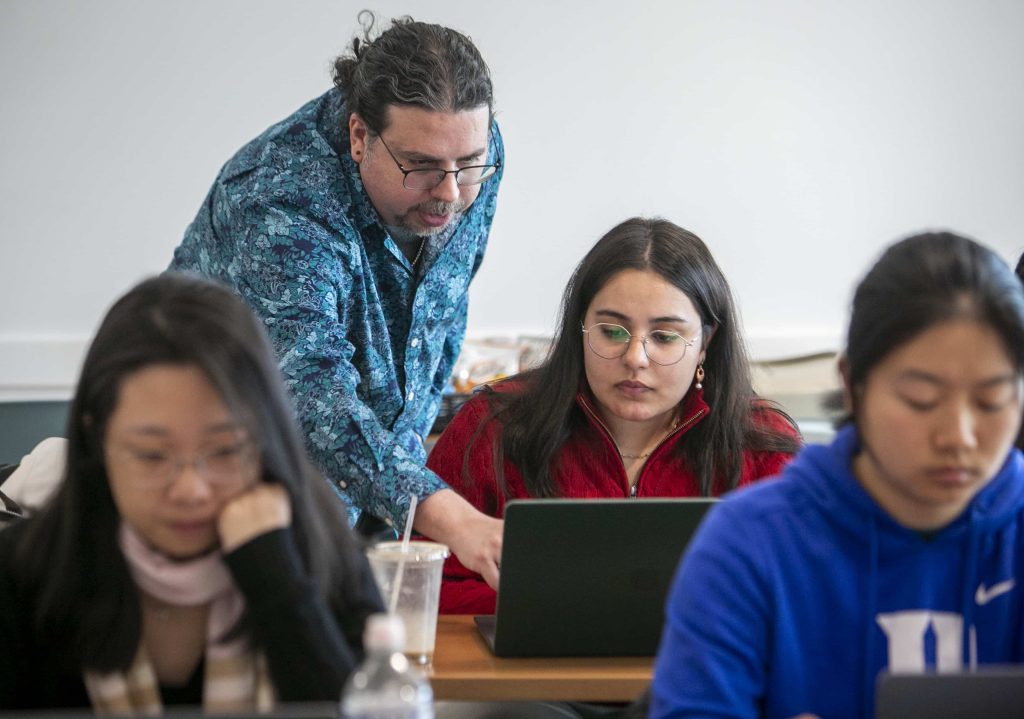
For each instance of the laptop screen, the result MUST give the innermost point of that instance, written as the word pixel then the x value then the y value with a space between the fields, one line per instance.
pixel 993 693
pixel 589 577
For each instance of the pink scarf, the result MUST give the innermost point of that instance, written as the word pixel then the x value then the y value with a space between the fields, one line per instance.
pixel 204 580
pixel 235 680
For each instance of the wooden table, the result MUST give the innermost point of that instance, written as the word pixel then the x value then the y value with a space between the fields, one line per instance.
pixel 465 669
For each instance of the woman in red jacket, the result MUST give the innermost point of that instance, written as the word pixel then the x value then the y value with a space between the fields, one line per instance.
pixel 646 393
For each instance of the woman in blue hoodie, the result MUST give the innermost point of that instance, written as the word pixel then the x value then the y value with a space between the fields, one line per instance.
pixel 897 547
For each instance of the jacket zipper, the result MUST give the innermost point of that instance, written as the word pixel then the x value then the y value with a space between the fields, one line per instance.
pixel 604 427
pixel 666 438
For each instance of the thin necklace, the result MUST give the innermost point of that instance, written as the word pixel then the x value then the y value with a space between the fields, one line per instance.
pixel 423 243
pixel 645 455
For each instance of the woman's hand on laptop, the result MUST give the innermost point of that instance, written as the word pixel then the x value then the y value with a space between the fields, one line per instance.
pixel 472 536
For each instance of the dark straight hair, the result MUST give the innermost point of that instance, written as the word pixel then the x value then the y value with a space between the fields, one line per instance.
pixel 411 63
pixel 86 595
pixel 538 417
pixel 925 280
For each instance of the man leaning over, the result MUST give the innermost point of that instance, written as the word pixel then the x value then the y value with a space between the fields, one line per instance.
pixel 353 228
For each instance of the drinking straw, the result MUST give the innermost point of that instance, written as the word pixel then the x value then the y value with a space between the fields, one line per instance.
pixel 393 604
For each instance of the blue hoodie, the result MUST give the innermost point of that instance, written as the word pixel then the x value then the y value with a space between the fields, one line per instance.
pixel 796 592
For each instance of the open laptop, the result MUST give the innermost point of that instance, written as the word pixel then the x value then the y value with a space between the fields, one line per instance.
pixel 996 693
pixel 587 577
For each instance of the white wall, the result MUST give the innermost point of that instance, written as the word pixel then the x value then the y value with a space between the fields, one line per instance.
pixel 796 137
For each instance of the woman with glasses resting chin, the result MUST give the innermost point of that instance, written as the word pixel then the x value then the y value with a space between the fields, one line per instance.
pixel 646 393
pixel 190 555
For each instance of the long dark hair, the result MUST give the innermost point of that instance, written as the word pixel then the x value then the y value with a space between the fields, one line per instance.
pixel 69 551
pixel 930 278
pixel 539 417
pixel 411 63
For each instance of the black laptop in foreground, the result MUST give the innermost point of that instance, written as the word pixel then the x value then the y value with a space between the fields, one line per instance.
pixel 992 693
pixel 587 577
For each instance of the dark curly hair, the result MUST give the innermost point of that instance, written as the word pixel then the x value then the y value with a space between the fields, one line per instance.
pixel 411 63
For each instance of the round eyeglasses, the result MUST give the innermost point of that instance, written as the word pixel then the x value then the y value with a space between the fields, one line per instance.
pixel 221 466
pixel 610 341
pixel 428 179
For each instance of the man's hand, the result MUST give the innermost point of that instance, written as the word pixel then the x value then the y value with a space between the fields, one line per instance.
pixel 472 536
pixel 256 511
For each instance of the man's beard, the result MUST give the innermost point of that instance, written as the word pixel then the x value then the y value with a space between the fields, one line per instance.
pixel 454 209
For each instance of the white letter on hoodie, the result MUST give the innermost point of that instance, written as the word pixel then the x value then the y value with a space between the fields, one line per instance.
pixel 906 631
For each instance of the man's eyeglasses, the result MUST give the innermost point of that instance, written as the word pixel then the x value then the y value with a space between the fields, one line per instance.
pixel 610 341
pixel 221 466
pixel 428 179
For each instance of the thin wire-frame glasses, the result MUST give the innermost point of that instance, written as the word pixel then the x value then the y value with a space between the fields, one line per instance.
pixel 611 341
pixel 428 179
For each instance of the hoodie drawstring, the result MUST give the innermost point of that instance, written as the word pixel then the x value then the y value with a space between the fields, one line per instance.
pixel 970 645
pixel 869 677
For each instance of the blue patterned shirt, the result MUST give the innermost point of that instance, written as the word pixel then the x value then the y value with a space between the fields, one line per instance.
pixel 365 343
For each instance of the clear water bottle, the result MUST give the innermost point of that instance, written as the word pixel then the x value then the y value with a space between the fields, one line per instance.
pixel 386 686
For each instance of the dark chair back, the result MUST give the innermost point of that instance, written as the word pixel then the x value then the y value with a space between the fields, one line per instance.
pixel 9 509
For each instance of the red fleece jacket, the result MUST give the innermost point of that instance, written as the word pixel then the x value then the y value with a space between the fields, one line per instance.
pixel 588 466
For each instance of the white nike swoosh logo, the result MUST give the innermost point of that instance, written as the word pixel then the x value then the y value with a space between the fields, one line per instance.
pixel 984 596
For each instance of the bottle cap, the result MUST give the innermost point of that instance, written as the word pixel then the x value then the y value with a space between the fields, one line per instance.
pixel 384 631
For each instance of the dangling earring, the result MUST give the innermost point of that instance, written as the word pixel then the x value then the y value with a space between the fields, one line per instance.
pixel 700 376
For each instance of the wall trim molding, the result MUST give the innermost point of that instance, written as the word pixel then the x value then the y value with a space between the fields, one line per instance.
pixel 40 368
pixel 769 345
